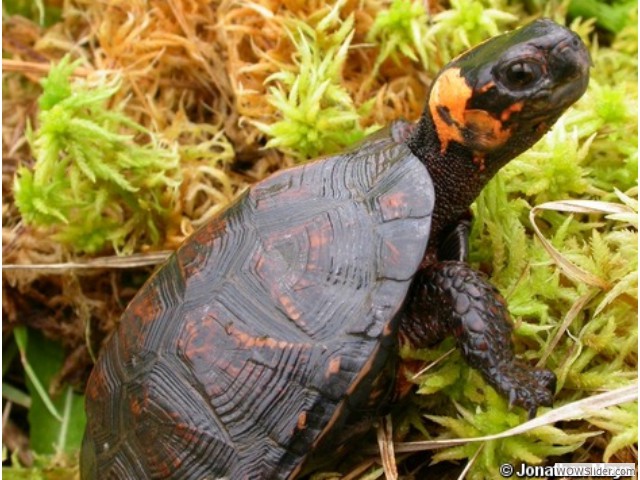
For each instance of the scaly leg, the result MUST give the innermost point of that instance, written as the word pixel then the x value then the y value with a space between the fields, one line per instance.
pixel 450 298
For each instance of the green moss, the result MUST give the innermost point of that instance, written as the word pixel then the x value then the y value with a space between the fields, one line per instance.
pixel 531 448
pixel 318 114
pixel 402 29
pixel 91 184
pixel 467 23
pixel 622 422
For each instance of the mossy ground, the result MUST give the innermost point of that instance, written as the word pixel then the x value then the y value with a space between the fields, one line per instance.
pixel 188 102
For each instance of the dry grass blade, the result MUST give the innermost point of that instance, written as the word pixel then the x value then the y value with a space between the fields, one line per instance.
pixel 356 473
pixel 114 261
pixel 385 444
pixel 576 308
pixel 572 411
pixel 428 367
pixel 584 206
pixel 575 206
pixel 38 68
pixel 467 467
pixel 199 51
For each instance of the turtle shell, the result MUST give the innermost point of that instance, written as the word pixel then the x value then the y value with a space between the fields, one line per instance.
pixel 266 330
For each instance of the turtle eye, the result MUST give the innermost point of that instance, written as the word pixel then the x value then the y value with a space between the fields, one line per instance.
pixel 520 75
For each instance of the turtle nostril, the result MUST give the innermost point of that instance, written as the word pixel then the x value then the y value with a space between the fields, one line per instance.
pixel 570 59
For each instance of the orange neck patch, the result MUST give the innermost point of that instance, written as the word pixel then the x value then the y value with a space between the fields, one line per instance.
pixel 449 94
pixel 476 129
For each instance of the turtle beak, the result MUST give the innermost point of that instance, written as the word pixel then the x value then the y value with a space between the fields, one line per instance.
pixel 570 62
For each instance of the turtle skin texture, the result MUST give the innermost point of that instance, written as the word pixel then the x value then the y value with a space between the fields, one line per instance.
pixel 272 333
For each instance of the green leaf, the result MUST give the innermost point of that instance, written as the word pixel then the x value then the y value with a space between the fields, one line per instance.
pixel 11 393
pixel 9 352
pixel 33 381
pixel 56 422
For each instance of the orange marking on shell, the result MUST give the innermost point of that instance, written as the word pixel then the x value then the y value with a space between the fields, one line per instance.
pixel 287 303
pixel 334 367
pixel 249 341
pixel 337 413
pixel 319 238
pixel 268 342
pixel 451 91
pixel 393 252
pixel 144 306
pixel 406 370
pixel 198 346
pixel 392 205
pixel 301 424
pixel 260 264
pixel 177 461
pixel 136 406
pixel 395 200
pixel 193 251
pixel 96 382
pixel 542 127
pixel 264 270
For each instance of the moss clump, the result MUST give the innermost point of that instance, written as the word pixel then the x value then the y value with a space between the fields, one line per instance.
pixel 318 114
pixel 401 30
pixel 467 23
pixel 92 184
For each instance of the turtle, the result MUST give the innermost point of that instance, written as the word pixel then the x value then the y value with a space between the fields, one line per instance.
pixel 271 336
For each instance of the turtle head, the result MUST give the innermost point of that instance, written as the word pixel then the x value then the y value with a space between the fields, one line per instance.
pixel 492 103
pixel 499 98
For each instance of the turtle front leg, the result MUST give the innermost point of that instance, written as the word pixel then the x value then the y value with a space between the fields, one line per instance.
pixel 450 298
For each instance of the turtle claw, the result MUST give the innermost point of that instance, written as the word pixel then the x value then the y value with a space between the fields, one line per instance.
pixel 532 408
pixel 513 400
pixel 546 378
pixel 526 387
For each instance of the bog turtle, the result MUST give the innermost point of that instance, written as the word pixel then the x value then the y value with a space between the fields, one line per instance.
pixel 272 333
